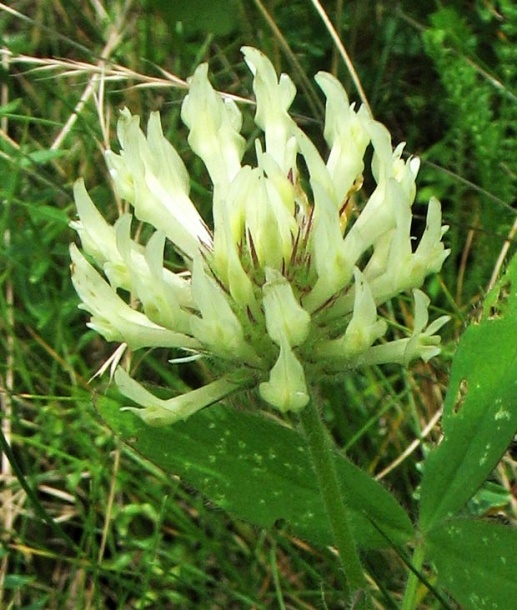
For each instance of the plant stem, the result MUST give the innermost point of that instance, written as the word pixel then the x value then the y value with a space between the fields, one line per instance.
pixel 323 460
pixel 408 603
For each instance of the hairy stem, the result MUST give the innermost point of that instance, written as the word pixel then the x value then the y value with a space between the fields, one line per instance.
pixel 324 463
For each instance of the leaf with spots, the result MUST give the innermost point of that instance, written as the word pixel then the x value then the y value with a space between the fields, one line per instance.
pixel 480 411
pixel 260 471
pixel 476 562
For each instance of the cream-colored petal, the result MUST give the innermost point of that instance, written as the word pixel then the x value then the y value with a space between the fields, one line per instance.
pixel 218 328
pixel 345 133
pixel 285 317
pixel 113 318
pixel 330 256
pixel 286 389
pixel 149 173
pixel 97 236
pixel 274 96
pixel 158 412
pixel 214 128
pixel 363 329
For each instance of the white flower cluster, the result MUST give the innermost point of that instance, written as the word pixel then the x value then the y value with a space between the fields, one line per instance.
pixel 287 285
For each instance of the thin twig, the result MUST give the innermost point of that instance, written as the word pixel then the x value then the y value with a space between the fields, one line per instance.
pixel 114 38
pixel 344 54
pixel 314 102
pixel 412 447
pixel 502 255
pixel 107 521
pixel 463 264
pixel 111 72
pixel 5 396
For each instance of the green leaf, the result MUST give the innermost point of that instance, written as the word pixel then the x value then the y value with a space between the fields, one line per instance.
pixel 40 157
pixel 480 411
pixel 476 562
pixel 260 471
pixel 489 499
pixel 44 213
pixel 10 107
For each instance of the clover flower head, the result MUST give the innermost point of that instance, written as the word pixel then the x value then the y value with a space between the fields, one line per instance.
pixel 286 287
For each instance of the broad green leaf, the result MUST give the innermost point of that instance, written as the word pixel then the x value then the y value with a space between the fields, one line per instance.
pixel 480 411
pixel 260 471
pixel 476 562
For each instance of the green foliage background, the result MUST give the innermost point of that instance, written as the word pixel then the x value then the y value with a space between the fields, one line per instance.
pixel 441 76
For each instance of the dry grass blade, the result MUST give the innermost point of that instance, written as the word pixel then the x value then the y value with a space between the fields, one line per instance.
pixel 343 52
